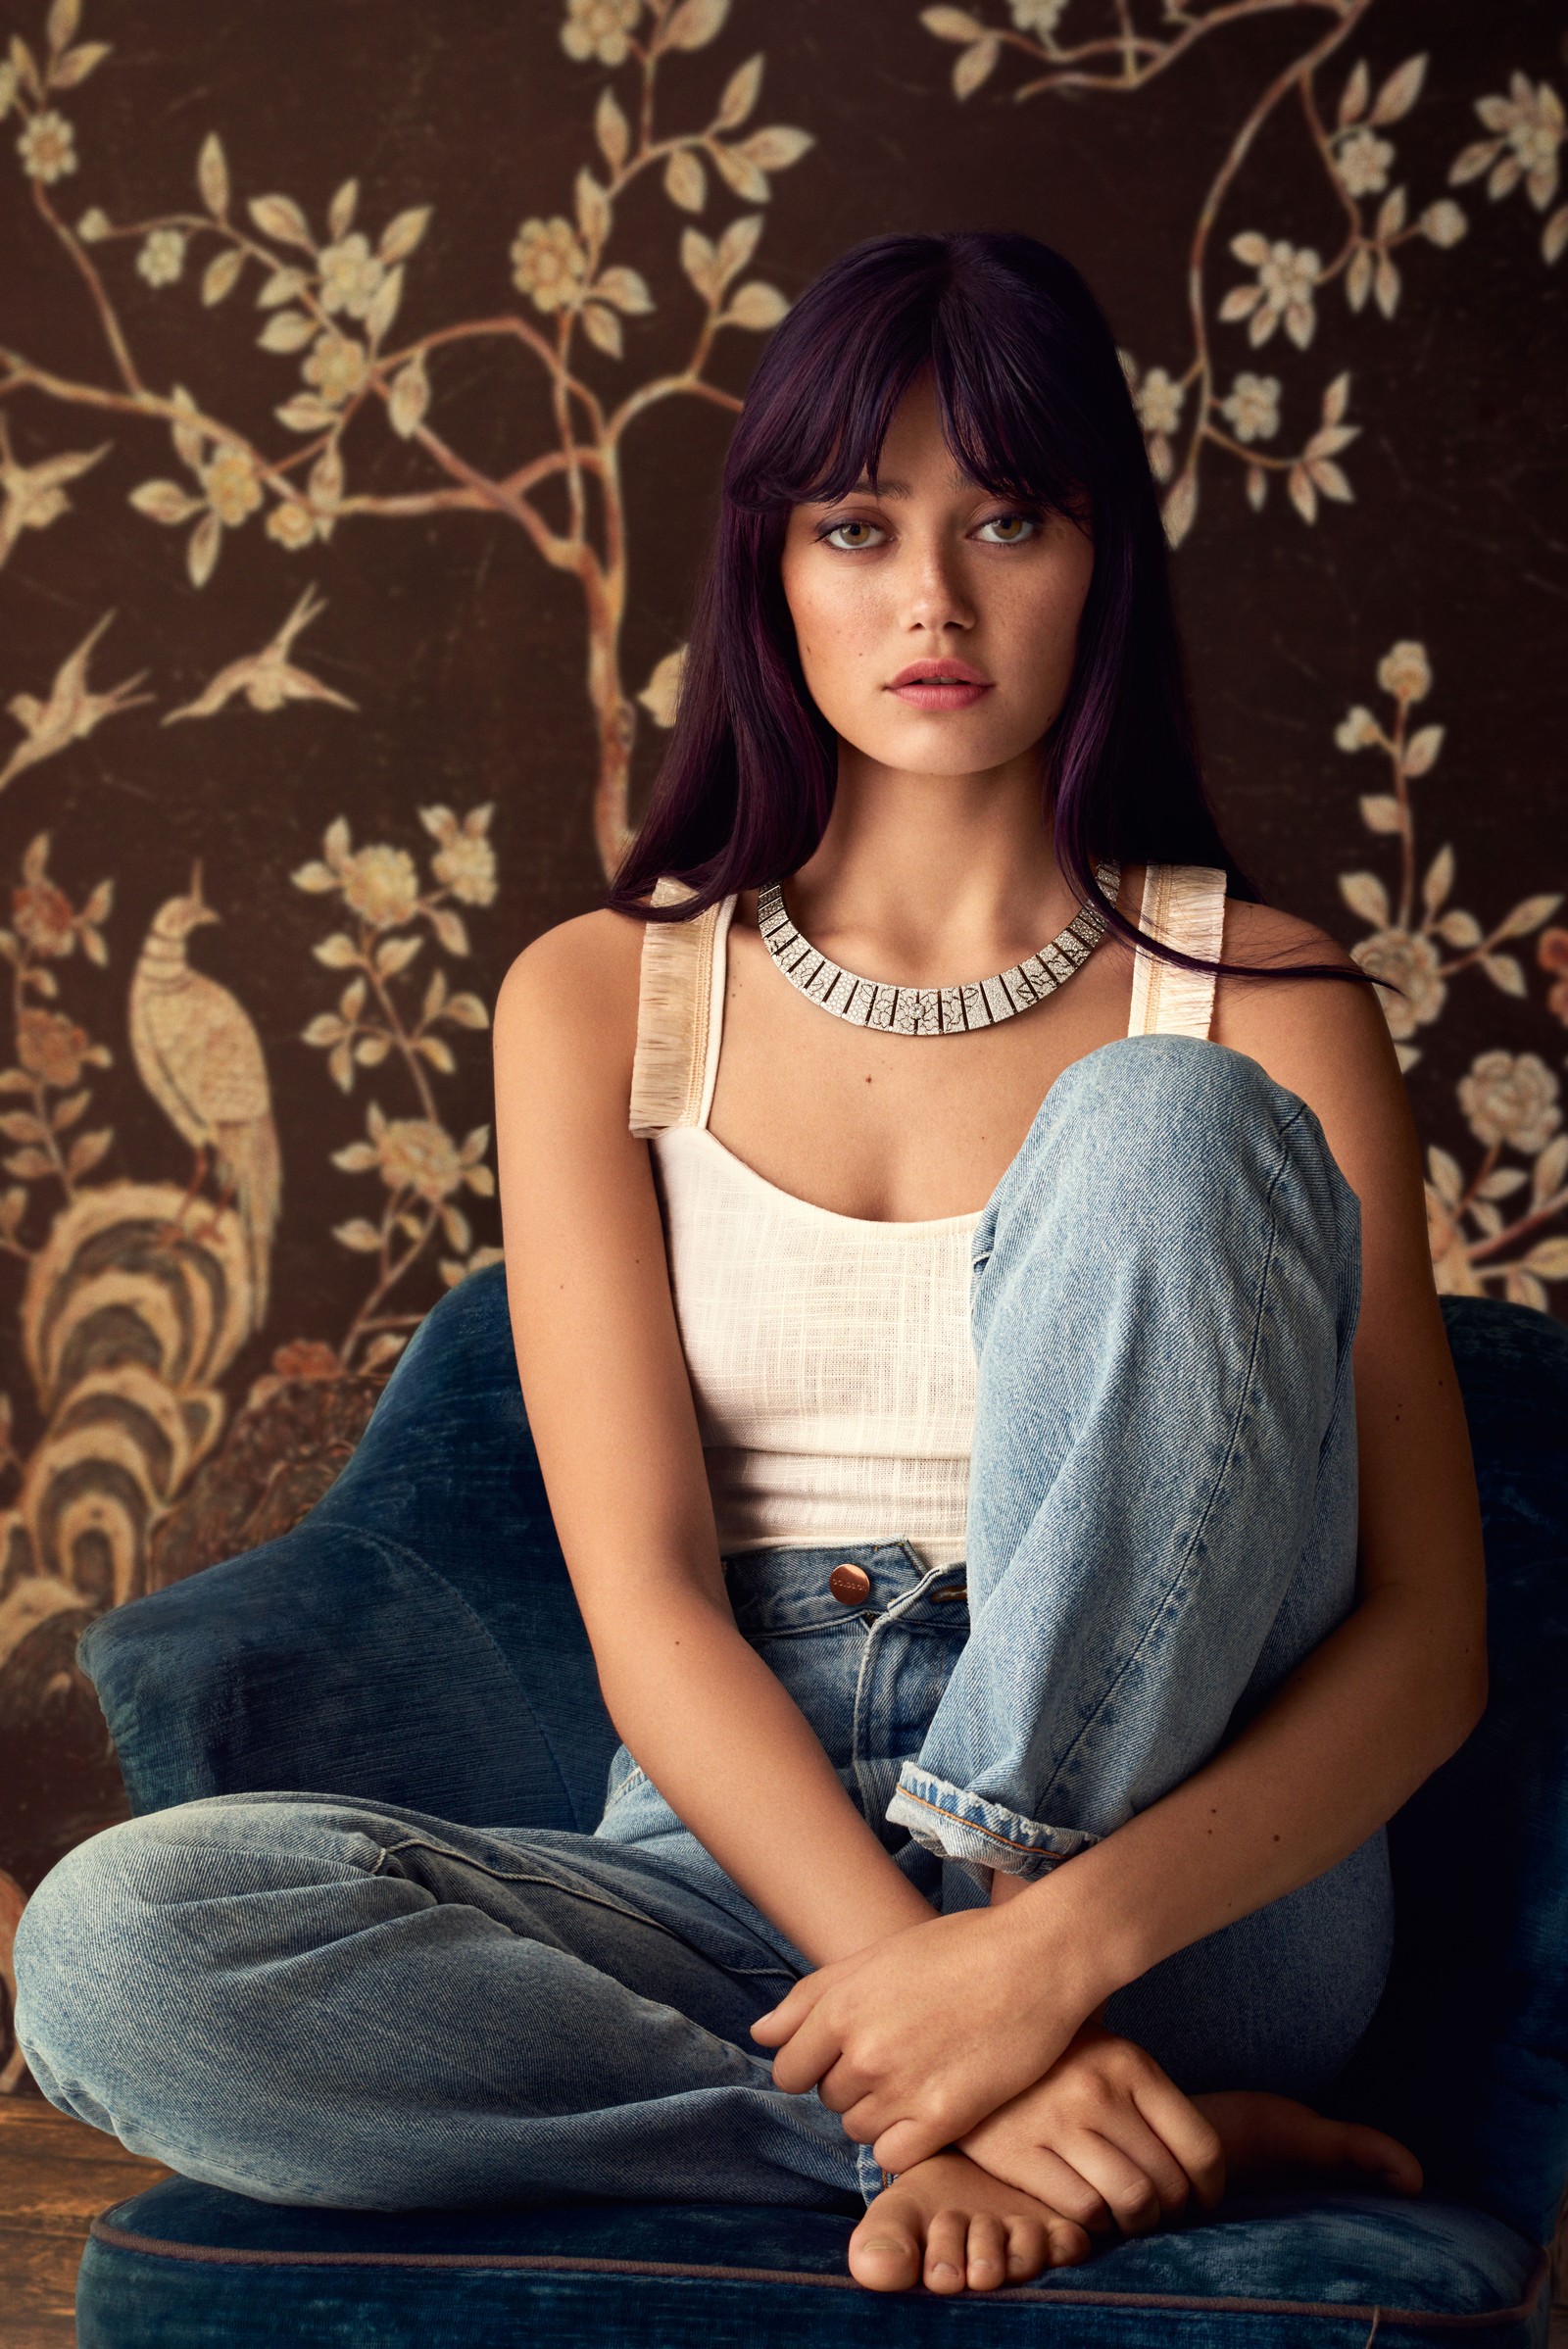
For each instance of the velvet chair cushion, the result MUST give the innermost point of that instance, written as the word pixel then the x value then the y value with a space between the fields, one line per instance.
pixel 188 2264
pixel 416 1638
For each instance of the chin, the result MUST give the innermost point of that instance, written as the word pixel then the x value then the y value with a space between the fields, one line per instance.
pixel 940 746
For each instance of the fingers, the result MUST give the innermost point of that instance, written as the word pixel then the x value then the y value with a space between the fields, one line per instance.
pixel 808 2056
pixel 1150 2154
pixel 1039 2171
pixel 905 2142
pixel 1125 2186
pixel 781 2021
pixel 1192 2139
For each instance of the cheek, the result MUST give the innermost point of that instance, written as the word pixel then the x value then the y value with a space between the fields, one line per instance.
pixel 835 625
pixel 1045 623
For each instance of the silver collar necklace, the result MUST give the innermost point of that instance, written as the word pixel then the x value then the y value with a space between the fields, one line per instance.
pixel 931 1010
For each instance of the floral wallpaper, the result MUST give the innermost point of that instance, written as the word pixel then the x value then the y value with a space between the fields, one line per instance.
pixel 365 374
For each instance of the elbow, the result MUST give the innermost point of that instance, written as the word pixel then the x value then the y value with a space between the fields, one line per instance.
pixel 1467 1705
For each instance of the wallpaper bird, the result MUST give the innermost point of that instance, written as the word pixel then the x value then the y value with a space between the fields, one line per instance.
pixel 72 710
pixel 268 679
pixel 200 1057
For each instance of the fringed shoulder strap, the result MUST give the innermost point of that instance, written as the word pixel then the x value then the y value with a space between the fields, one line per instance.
pixel 673 1005
pixel 1184 907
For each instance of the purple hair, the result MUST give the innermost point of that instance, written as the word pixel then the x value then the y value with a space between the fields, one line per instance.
pixel 1034 404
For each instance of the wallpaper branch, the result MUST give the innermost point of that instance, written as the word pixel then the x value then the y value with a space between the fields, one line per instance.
pixel 284 797
pixel 344 284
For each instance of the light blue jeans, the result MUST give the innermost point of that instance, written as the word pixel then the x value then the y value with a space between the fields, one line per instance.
pixel 310 1998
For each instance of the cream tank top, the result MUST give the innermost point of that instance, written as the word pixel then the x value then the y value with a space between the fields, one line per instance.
pixel 829 1355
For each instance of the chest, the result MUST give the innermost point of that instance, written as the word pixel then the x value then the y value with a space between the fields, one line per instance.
pixel 885 1127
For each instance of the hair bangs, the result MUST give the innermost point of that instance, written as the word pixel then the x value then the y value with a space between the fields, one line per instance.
pixel 1003 419
pixel 1035 407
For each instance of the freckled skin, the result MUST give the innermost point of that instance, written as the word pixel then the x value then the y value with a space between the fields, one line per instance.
pixel 874 581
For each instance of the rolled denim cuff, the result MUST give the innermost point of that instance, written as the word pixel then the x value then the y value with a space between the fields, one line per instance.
pixel 871 2175
pixel 977 1835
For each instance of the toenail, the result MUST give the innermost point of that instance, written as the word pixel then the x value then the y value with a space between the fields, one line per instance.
pixel 944 2267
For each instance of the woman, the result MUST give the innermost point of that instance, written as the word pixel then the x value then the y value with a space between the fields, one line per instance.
pixel 933 683
pixel 1014 1675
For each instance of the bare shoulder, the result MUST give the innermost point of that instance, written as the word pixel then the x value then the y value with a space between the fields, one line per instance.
pixel 1274 1017
pixel 574 988
pixel 1325 1040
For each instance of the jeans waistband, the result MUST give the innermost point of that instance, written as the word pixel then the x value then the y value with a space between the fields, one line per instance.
pixel 786 1588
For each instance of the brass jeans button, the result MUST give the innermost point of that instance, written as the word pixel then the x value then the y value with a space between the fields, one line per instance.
pixel 850 1583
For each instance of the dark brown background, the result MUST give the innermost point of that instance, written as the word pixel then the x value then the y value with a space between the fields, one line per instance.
pixel 467 656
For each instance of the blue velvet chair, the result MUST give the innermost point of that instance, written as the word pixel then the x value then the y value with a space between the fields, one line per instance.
pixel 416 1638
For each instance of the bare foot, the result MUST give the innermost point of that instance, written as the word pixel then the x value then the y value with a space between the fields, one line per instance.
pixel 950 2225
pixel 1272 2140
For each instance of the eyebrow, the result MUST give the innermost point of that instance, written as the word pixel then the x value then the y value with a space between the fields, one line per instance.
pixel 887 488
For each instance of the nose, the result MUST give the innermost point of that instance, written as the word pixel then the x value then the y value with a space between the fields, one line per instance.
pixel 936 595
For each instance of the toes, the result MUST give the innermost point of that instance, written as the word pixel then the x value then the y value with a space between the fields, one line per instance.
pixel 885 2255
pixel 1367 2148
pixel 1067 2244
pixel 1032 2244
pixel 947 2251
pixel 988 2252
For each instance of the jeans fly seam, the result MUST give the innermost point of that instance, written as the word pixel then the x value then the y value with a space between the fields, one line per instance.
pixel 1167 1595
pixel 861 1700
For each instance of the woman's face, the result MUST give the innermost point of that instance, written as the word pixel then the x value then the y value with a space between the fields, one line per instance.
pixel 932 571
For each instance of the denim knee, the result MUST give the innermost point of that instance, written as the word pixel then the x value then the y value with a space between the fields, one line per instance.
pixel 1160 1098
pixel 64 2005
pixel 1153 1140
pixel 98 1949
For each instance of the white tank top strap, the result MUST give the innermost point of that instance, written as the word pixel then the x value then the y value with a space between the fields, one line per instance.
pixel 680 997
pixel 1184 907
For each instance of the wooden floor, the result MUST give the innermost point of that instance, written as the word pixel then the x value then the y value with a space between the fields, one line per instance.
pixel 56 2174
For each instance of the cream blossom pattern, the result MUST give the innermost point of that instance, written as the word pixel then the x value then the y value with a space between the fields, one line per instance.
pixel 1251 407
pixel 599 30
pixel 161 258
pixel 1119 54
pixel 420 1164
pixel 550 263
pixel 1508 1099
pixel 332 302
pixel 1511 1101
pixel 1524 150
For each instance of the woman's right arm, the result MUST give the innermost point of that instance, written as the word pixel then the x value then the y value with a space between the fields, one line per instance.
pixel 610 1407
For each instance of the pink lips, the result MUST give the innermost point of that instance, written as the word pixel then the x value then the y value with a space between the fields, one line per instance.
pixel 940 684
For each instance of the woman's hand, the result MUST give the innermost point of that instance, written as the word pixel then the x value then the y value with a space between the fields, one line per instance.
pixel 919 2037
pixel 1105 2137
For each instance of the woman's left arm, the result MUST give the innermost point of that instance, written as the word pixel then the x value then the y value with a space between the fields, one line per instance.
pixel 1358 1725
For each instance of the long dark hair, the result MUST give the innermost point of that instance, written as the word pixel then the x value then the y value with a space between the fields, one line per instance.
pixel 1034 404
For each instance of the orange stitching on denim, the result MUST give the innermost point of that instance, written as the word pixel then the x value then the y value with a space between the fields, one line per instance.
pixel 958 1821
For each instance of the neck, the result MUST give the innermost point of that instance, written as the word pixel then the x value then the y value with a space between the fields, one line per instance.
pixel 939 873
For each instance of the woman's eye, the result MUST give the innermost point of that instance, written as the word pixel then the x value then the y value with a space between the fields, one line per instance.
pixel 1017 526
pixel 859 523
